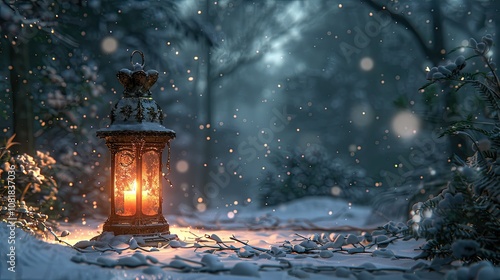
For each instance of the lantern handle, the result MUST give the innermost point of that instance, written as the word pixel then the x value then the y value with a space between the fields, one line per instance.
pixel 132 56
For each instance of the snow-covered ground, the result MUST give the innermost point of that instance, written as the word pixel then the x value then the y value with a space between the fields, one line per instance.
pixel 282 244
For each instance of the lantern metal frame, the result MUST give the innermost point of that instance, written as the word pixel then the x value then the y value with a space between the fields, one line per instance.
pixel 137 127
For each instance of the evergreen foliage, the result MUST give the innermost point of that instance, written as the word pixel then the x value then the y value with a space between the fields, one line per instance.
pixel 312 172
pixel 463 221
pixel 32 177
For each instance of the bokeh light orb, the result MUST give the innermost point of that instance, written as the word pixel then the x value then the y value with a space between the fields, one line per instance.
pixel 336 190
pixel 182 166
pixel 109 45
pixel 405 124
pixel 366 63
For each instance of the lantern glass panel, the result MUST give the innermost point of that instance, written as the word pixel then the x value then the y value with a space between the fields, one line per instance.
pixel 125 183
pixel 150 183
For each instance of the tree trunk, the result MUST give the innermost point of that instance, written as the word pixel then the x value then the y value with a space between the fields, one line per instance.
pixel 22 99
pixel 207 144
pixel 447 110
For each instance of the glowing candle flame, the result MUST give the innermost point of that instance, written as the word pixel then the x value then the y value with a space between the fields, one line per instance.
pixel 130 203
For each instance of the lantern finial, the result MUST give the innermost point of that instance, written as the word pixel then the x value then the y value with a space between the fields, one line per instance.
pixel 137 82
pixel 137 110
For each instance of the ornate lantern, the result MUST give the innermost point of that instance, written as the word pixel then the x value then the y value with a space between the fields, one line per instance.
pixel 136 139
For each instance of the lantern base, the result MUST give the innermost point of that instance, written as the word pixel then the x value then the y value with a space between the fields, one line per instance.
pixel 123 229
pixel 133 225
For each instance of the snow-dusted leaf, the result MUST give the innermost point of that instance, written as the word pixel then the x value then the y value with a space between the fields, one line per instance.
pixel 179 264
pixel 246 252
pixel 140 241
pixel 443 70
pixel 379 232
pixel 472 43
pixel 351 239
pixel 384 253
pixel 175 244
pixel 326 254
pixel 108 236
pixel 343 272
pixel 438 75
pixel 299 248
pixel 368 237
pixel 480 48
pixel 315 237
pixel 380 238
pixel 65 233
pixel 277 252
pixel 451 66
pixel 139 256
pixel 431 72
pixel 326 246
pixel 131 262
pixel 216 238
pixel 368 265
pixel 309 244
pixel 339 241
pixel 84 244
pixel 325 237
pixel 265 256
pixel 355 250
pixel 245 269
pixel 212 263
pixel 106 262
pixel 78 258
pixel 487 39
pixel 301 256
pixel 133 244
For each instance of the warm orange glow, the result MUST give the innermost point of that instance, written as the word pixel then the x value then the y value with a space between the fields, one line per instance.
pixel 130 200
pixel 148 203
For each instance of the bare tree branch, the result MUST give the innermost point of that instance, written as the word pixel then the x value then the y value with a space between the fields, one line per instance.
pixel 397 17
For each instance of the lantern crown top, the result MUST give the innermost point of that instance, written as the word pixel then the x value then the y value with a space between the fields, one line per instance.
pixel 137 112
pixel 137 82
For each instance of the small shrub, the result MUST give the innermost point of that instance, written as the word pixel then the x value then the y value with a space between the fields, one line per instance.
pixel 312 172
pixel 32 176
